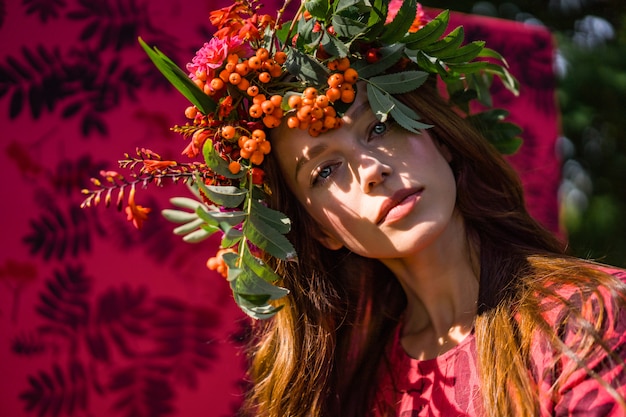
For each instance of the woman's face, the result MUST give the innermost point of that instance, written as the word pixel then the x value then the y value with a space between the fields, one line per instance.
pixel 379 190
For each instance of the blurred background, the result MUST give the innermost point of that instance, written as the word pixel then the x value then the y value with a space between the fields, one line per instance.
pixel 591 70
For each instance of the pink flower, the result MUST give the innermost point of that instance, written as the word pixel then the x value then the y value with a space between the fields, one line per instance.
pixel 392 11
pixel 209 57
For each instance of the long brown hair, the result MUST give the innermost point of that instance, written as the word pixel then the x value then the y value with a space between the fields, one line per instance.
pixel 320 356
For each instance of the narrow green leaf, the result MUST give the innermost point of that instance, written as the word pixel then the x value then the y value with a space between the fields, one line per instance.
pixel 447 45
pixel 199 235
pixel 463 54
pixel 258 313
pixel 399 82
pixel 178 216
pixel 334 47
pixel 380 102
pixel 188 227
pixel 250 284
pixel 305 68
pixel 180 80
pixel 400 25
pixel 223 195
pixel 258 267
pixel 231 237
pixel 280 222
pixel 389 56
pixel 268 239
pixel 185 202
pixel 430 33
pixel 232 218
pixel 406 117
pixel 318 8
pixel 346 27
pixel 467 68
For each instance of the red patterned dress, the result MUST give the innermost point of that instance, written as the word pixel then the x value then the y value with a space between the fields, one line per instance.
pixel 448 385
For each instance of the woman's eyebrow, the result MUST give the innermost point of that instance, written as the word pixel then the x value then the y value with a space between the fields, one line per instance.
pixel 311 154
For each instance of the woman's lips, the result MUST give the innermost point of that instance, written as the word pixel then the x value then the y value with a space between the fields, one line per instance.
pixel 398 206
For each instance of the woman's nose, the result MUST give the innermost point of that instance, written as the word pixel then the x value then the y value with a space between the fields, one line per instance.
pixel 372 172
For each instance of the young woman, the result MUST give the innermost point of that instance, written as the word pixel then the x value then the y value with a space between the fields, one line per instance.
pixel 427 289
pixel 422 286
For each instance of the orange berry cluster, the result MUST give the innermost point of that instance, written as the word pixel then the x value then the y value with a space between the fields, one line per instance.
pixel 217 263
pixel 252 146
pixel 313 110
pixel 247 76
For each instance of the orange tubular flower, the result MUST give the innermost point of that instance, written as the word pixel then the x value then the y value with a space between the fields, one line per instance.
pixel 151 165
pixel 135 213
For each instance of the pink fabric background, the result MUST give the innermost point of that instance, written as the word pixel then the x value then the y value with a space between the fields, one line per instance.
pixel 97 319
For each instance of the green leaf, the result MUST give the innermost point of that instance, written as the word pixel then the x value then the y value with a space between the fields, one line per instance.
pixel 399 82
pixel 199 235
pixel 189 227
pixel 258 267
pixel 334 46
pixel 466 68
pixel 180 80
pixel 430 33
pixel 268 239
pixel 346 27
pixel 280 222
pixel 178 216
pixel 251 287
pixel 223 195
pixel 318 8
pixel 463 54
pixel 185 202
pixel 406 117
pixel 231 218
pixel 256 312
pixel 447 45
pixel 231 237
pixel 389 56
pixel 216 162
pixel 232 259
pixel 397 29
pixel 503 135
pixel 380 102
pixel 305 68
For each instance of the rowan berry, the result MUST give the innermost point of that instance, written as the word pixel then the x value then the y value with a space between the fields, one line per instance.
pixel 224 75
pixel 256 111
pixel 350 75
pixel 228 132
pixel 250 145
pixel 293 122
pixel 278 113
pixel 259 98
pixel 234 78
pixel 217 84
pixel 310 93
pixel 330 111
pixel 276 100
pixel 280 57
pixel 276 70
pixel 232 59
pixel 255 62
pixel 259 135
pixel 252 91
pixel 190 112
pixel 265 77
pixel 294 101
pixel 343 64
pixel 199 83
pixel 304 113
pixel 242 139
pixel 242 68
pixel 347 96
pixel 243 84
pixel 230 67
pixel 262 53
pixel 268 107
pixel 333 94
pixel 321 101
pixel 271 121
pixel 335 80
pixel 257 158
pixel 317 113
pixel 234 167
pixel 265 147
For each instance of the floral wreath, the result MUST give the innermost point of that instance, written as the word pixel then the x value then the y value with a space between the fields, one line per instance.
pixel 257 72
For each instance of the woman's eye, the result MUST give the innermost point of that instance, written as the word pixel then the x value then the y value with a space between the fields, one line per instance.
pixel 322 173
pixel 379 128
